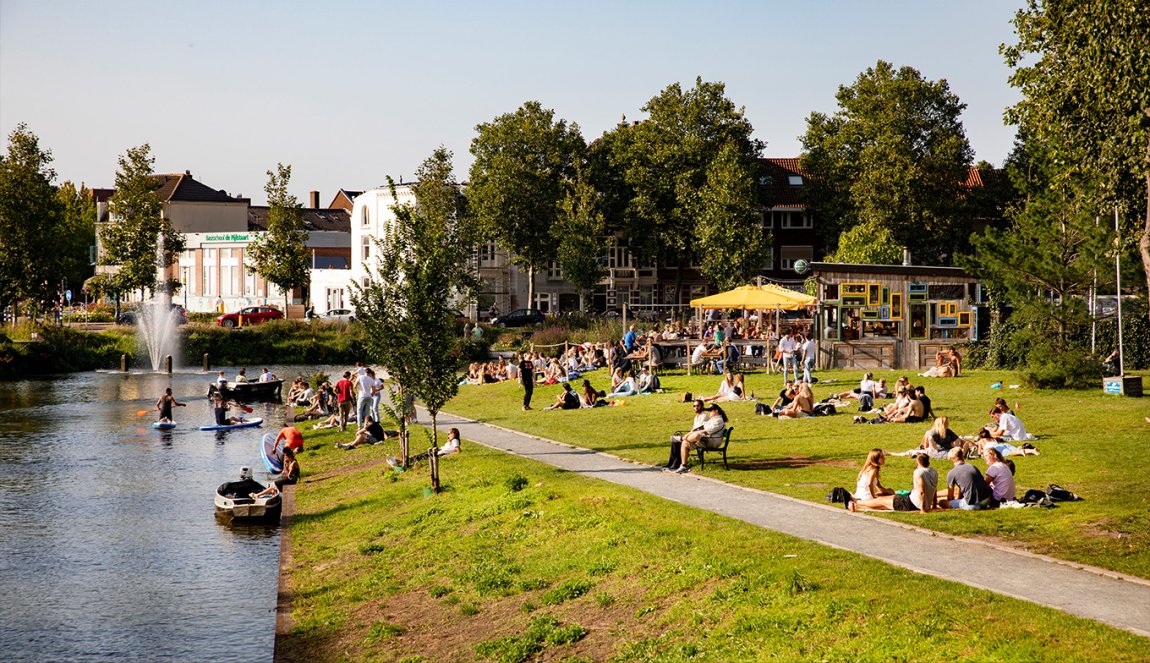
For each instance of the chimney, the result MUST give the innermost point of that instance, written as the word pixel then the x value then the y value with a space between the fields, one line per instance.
pixel 905 257
pixel 313 199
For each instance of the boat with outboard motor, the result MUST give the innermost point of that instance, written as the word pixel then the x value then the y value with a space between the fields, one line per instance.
pixel 248 392
pixel 234 499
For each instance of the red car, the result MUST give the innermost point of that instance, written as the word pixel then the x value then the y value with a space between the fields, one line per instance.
pixel 252 315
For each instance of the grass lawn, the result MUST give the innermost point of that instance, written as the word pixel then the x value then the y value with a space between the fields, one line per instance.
pixel 1091 443
pixel 519 561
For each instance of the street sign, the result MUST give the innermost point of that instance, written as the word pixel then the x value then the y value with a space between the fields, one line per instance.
pixel 68 295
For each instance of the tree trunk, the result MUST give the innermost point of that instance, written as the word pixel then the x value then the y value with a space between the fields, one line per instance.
pixel 1144 240
pixel 404 433
pixel 433 459
pixel 530 286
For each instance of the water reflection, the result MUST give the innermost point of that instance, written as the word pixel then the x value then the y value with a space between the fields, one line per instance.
pixel 109 548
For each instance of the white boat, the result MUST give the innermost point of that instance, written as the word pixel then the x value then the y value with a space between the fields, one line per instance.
pixel 233 499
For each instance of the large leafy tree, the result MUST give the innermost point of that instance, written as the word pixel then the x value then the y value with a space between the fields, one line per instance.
pixel 1081 66
pixel 895 156
pixel 1046 260
pixel 661 167
pixel 582 239
pixel 30 217
pixel 280 256
pixel 137 237
pixel 422 269
pixel 78 232
pixel 524 167
pixel 731 237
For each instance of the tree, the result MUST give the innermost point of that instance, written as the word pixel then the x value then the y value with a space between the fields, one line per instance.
pixel 894 155
pixel 78 232
pixel 1045 262
pixel 280 256
pixel 661 167
pixel 731 235
pixel 137 237
pixel 405 306
pixel 30 218
pixel 867 244
pixel 524 166
pixel 582 239
pixel 1081 66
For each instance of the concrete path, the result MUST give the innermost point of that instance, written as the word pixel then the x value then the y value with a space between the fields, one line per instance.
pixel 1106 596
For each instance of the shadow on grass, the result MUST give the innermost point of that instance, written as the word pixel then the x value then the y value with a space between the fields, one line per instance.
pixel 786 463
pixel 298 518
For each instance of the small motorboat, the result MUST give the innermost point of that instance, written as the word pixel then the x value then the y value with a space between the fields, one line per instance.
pixel 248 392
pixel 250 423
pixel 233 499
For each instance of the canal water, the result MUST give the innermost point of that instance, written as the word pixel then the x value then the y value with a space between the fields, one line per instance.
pixel 109 545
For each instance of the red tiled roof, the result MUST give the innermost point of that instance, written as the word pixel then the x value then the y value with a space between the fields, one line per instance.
pixel 183 187
pixel 776 174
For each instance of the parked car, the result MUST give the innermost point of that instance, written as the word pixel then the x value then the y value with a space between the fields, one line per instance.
pixel 252 315
pixel 132 316
pixel 520 317
pixel 338 315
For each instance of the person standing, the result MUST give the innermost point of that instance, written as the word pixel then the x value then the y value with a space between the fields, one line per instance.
pixel 810 350
pixel 788 346
pixel 164 405
pixel 629 339
pixel 527 378
pixel 343 398
pixel 366 387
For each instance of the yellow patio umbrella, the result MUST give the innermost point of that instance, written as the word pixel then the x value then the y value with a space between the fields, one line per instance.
pixel 753 297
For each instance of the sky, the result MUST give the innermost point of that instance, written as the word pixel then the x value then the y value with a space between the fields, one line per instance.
pixel 349 93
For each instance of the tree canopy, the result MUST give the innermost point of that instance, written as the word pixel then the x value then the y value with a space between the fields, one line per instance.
pixel 523 170
pixel 30 220
pixel 655 173
pixel 894 155
pixel 1081 66
pixel 280 256
pixel 137 237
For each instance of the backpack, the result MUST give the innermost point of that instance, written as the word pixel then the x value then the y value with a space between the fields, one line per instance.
pixel 823 410
pixel 1057 493
pixel 762 408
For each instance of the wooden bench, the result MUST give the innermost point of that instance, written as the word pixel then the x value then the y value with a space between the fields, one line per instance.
pixel 723 449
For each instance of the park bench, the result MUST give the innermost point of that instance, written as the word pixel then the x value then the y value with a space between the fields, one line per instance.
pixel 723 449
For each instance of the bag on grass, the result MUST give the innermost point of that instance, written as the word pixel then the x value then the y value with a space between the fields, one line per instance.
pixel 762 408
pixel 1057 493
pixel 687 397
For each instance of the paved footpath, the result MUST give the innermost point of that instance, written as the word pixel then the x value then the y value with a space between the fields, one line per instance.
pixel 1106 596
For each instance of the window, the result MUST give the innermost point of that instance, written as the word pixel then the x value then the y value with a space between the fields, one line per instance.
pixel 366 246
pixel 918 321
pixel 947 291
pixel 880 329
pixel 831 322
pixel 365 216
pixel 229 271
pixel 486 253
pixel 766 180
pixel 794 220
pixel 334 298
pixel 769 258
pixel 795 180
pixel 768 220
pixel 543 301
pixel 209 275
pixel 789 254
pixel 831 291
pixel 554 271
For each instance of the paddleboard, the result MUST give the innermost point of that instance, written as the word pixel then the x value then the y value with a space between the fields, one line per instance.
pixel 250 423
pixel 273 461
pixel 159 425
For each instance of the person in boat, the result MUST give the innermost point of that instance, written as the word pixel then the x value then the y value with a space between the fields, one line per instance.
pixel 242 376
pixel 291 437
pixel 221 381
pixel 221 405
pixel 289 475
pixel 164 405
pixel 266 376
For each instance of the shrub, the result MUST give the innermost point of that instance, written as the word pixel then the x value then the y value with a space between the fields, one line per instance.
pixel 515 483
pixel 1065 370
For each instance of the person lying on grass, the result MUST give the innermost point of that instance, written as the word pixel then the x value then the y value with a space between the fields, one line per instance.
pixel 986 440
pixel 867 386
pixel 371 433
pixel 922 497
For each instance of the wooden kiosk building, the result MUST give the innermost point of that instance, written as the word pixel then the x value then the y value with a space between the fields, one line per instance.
pixel 892 316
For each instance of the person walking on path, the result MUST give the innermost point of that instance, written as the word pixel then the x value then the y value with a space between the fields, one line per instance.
pixel 527 378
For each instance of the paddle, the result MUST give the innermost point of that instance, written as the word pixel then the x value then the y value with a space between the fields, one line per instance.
pixel 140 413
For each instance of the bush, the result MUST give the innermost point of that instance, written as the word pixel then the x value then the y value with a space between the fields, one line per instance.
pixel 1065 370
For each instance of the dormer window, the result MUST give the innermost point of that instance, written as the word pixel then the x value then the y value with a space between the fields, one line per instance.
pixel 795 180
pixel 766 180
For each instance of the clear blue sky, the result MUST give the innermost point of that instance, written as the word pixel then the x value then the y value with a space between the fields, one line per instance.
pixel 349 93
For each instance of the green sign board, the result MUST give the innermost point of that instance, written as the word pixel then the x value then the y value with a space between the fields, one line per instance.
pixel 229 237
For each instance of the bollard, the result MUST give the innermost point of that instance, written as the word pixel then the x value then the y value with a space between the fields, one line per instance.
pixel 123 363
pixel 168 364
pixel 207 362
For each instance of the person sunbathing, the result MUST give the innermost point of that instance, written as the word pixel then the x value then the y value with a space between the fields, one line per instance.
pixel 726 388
pixel 803 406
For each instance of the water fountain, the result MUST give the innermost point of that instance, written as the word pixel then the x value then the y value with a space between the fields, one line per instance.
pixel 158 321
